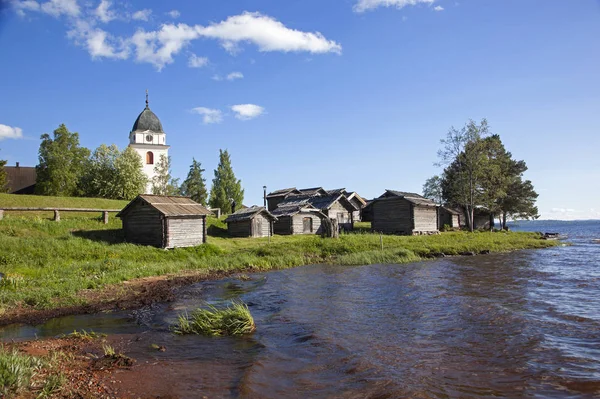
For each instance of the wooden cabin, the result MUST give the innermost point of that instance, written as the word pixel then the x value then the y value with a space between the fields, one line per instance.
pixel 164 221
pixel 448 217
pixel 275 197
pixel 359 203
pixel 255 221
pixel 20 179
pixel 333 206
pixel 398 212
pixel 298 219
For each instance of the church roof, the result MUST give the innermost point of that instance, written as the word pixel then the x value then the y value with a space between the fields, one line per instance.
pixel 147 120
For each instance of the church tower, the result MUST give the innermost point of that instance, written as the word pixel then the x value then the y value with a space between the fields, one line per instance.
pixel 149 140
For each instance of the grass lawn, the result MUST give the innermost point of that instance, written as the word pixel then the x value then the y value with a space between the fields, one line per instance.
pixel 47 264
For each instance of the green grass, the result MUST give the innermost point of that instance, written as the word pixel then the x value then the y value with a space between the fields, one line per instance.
pixel 17 371
pixel 234 320
pixel 47 264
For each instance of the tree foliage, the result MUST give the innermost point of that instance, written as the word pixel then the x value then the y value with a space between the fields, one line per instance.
pixel 194 185
pixel 162 182
pixel 113 174
pixel 432 189
pixel 62 163
pixel 225 188
pixel 481 173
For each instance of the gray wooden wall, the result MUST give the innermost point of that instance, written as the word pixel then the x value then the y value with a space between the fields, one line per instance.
pixel 392 216
pixel 184 232
pixel 143 225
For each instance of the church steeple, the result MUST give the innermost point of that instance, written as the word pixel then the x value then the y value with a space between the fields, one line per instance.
pixel 147 99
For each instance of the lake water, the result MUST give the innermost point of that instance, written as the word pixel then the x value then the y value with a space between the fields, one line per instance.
pixel 518 325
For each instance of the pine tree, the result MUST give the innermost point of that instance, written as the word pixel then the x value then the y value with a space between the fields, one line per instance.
pixel 194 185
pixel 163 183
pixel 225 188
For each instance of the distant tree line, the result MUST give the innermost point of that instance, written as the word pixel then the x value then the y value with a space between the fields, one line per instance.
pixel 67 169
pixel 479 173
pixel 3 177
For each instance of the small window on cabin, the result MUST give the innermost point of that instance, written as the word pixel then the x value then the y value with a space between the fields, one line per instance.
pixel 149 158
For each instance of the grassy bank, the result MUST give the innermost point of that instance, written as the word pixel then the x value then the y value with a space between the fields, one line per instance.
pixel 48 264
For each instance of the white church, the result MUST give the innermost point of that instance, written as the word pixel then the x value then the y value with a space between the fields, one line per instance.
pixel 149 140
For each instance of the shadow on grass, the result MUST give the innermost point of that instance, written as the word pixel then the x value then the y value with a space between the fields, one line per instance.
pixel 113 236
pixel 216 231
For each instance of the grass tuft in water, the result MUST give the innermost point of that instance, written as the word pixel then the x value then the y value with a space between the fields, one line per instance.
pixel 234 320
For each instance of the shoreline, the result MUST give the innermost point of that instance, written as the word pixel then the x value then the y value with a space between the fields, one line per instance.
pixel 140 292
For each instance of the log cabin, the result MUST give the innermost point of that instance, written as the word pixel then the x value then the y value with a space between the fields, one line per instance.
pixel 255 221
pixel 164 221
pixel 398 212
pixel 448 217
pixel 298 219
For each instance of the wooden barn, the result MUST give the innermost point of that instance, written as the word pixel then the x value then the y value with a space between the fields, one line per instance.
pixel 298 219
pixel 164 221
pixel 448 217
pixel 359 203
pixel 397 212
pixel 255 221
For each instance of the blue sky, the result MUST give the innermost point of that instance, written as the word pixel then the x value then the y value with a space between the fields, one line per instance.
pixel 333 93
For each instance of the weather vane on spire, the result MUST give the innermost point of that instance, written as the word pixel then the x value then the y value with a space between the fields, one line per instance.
pixel 146 98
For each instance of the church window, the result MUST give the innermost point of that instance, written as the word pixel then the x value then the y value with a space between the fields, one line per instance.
pixel 149 158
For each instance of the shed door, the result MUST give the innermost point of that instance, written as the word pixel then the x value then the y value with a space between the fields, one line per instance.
pixel 257 227
pixel 307 224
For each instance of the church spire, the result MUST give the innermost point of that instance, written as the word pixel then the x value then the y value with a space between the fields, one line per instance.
pixel 147 98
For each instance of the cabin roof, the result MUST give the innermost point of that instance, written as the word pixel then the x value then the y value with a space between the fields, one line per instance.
pixel 450 210
pixel 20 178
pixel 354 195
pixel 410 197
pixel 283 191
pixel 291 210
pixel 169 206
pixel 321 202
pixel 248 214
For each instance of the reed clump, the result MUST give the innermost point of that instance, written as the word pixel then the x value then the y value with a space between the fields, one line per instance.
pixel 234 320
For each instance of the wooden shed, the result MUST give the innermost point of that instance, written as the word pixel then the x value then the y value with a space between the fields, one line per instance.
pixel 398 212
pixel 164 221
pixel 448 217
pixel 359 203
pixel 255 221
pixel 298 219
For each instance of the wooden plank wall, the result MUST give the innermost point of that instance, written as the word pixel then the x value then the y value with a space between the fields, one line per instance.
pixel 425 218
pixel 143 225
pixel 184 232
pixel 261 226
pixel 298 223
pixel 240 229
pixel 392 216
pixel 283 225
pixel 346 222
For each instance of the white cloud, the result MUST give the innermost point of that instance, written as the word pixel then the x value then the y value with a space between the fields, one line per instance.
pixel 235 75
pixel 267 33
pixel 197 62
pixel 57 8
pixel 158 47
pixel 438 8
pixel 209 115
pixel 98 43
pixel 174 14
pixel 9 132
pixel 142 15
pixel 247 111
pixel 104 13
pixel 366 5
pixel 218 78
pixel 570 214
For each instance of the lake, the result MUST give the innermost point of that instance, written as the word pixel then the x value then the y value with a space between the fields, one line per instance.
pixel 519 325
